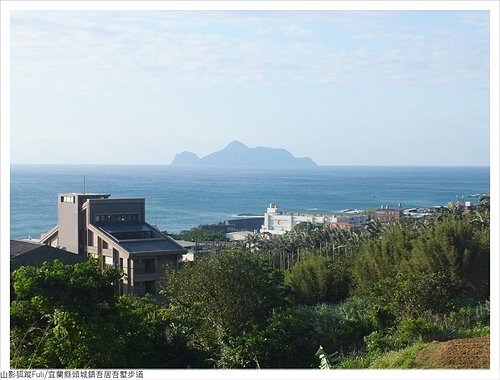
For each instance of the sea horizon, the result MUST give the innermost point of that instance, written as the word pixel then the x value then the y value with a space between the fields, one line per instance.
pixel 180 198
pixel 251 166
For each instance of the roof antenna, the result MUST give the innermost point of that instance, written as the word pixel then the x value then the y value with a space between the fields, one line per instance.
pixel 83 184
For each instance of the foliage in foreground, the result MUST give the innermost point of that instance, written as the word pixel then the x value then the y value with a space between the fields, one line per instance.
pixel 318 279
pixel 70 316
pixel 223 301
pixel 372 304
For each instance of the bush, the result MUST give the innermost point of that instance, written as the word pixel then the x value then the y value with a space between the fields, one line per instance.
pixel 470 316
pixel 455 247
pixel 293 335
pixel 468 322
pixel 410 295
pixel 376 343
pixel 413 330
pixel 318 279
pixel 70 316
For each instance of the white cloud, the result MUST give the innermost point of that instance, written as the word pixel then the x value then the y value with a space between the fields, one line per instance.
pixel 79 51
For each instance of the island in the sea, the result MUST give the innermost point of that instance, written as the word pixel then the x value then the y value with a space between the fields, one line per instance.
pixel 238 154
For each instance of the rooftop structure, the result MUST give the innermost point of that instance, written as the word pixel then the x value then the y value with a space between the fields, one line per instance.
pixel 116 232
pixel 23 253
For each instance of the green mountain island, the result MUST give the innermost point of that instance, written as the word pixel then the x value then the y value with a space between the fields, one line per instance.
pixel 238 154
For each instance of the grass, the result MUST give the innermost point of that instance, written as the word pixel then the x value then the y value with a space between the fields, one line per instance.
pixel 400 359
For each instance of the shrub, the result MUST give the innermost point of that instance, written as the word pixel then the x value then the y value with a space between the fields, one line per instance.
pixel 410 295
pixel 412 330
pixel 293 335
pixel 376 343
pixel 318 279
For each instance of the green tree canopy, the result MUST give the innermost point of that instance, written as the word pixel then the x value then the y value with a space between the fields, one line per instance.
pixel 197 234
pixel 71 316
pixel 319 279
pixel 458 249
pixel 223 296
pixel 380 258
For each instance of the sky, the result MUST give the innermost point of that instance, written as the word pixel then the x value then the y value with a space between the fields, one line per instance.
pixel 341 87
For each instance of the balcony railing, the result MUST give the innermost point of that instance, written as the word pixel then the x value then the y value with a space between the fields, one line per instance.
pixel 92 249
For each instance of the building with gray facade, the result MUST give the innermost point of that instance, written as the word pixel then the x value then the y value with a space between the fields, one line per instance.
pixel 29 253
pixel 116 232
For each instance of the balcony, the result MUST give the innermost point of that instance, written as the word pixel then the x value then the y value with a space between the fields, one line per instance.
pixel 107 252
pixel 91 250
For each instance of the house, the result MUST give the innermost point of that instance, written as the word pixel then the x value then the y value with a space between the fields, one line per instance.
pixel 387 214
pixel 27 253
pixel 116 232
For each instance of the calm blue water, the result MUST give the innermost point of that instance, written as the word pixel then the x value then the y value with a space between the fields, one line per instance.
pixel 181 198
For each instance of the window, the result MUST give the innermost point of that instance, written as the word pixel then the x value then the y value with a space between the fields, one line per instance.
pixel 67 199
pixel 90 239
pixel 128 217
pixel 149 265
pixel 108 261
pixel 149 287
pixel 105 244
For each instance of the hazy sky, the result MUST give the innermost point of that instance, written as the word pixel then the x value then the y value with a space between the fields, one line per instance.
pixel 342 87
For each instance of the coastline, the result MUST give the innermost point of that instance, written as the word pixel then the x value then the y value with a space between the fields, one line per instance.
pixel 180 199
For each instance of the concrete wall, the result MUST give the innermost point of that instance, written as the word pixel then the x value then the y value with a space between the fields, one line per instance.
pixel 143 280
pixel 67 218
pixel 72 220
pixel 279 223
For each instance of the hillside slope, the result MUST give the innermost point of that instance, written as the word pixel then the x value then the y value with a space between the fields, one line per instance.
pixel 456 353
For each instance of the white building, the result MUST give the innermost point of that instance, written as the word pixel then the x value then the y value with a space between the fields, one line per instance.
pixel 277 222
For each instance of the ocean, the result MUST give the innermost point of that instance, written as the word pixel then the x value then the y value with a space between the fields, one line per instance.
pixel 182 198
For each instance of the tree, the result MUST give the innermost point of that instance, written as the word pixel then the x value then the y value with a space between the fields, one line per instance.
pixel 303 227
pixel 149 337
pixel 62 316
pixel 319 279
pixel 197 234
pixel 380 258
pixel 457 248
pixel 71 316
pixel 223 297
pixel 410 295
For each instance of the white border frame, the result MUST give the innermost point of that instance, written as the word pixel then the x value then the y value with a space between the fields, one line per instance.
pixel 490 5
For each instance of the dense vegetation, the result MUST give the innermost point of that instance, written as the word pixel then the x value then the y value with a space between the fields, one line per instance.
pixel 360 295
pixel 197 234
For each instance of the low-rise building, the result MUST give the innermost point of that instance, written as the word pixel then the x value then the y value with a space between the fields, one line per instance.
pixel 29 253
pixel 116 232
pixel 277 222
pixel 387 214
